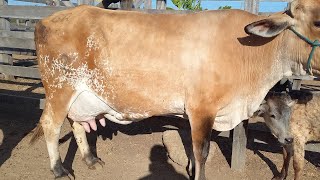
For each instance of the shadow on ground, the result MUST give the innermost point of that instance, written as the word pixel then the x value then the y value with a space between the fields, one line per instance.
pixel 14 129
pixel 159 164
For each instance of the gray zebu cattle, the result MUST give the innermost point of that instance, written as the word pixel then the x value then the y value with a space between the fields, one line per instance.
pixel 294 123
pixel 128 66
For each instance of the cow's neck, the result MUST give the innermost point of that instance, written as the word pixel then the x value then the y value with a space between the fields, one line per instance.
pixel 279 63
pixel 273 61
pixel 298 51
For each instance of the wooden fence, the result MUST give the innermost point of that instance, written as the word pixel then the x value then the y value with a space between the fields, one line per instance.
pixel 22 42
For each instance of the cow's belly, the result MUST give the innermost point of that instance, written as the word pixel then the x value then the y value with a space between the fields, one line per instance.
pixel 236 111
pixel 87 106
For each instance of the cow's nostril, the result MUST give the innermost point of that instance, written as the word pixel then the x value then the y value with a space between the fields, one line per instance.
pixel 289 140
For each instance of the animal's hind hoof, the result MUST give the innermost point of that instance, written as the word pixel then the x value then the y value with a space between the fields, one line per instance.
pixel 92 164
pixel 278 178
pixel 60 172
pixel 63 175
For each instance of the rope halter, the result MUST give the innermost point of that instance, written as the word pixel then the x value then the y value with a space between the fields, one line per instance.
pixel 314 44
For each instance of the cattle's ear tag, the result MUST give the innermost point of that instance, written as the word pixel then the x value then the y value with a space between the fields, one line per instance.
pixel 267 27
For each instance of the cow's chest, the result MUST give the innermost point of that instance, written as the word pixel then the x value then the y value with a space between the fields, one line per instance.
pixel 88 106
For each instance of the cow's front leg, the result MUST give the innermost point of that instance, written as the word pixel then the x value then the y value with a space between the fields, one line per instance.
pixel 287 154
pixel 201 128
pixel 81 139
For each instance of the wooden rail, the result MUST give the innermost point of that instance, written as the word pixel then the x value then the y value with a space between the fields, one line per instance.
pixel 20 71
pixel 28 12
pixel 16 34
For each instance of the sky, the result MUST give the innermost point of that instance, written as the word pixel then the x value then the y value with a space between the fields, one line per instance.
pixel 206 4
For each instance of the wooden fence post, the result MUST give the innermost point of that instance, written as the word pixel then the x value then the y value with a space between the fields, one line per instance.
pixel 5 25
pixel 251 6
pixel 239 146
pixel 126 4
pixel 147 4
pixel 88 2
pixel 296 84
pixel 67 3
pixel 161 4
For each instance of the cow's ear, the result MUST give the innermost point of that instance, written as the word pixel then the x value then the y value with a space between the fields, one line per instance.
pixel 269 27
pixel 263 108
pixel 292 102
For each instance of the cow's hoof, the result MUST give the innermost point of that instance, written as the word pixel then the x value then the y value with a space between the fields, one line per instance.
pixel 62 174
pixel 278 178
pixel 95 163
pixel 65 177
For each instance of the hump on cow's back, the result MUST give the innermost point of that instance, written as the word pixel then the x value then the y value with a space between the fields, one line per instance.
pixel 303 96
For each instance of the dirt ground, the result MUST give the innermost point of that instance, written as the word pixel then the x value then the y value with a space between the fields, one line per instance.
pixel 131 152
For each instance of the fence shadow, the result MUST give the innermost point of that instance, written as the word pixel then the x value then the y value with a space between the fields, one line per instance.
pixel 18 115
pixel 15 125
pixel 224 144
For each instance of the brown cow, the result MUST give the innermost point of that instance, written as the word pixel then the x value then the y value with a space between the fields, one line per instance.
pixel 129 66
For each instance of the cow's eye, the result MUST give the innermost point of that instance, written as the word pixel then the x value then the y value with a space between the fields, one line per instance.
pixel 317 24
pixel 272 116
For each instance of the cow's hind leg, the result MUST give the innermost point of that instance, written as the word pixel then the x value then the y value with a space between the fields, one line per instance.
pixel 51 121
pixel 201 128
pixel 81 139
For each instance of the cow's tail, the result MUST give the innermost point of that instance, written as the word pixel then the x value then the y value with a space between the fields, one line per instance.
pixel 38 132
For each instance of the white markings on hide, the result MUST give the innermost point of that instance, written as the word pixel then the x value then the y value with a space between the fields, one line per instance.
pixel 92 44
pixel 62 70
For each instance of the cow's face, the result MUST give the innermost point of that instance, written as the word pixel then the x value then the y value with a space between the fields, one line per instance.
pixel 302 16
pixel 277 113
pixel 306 15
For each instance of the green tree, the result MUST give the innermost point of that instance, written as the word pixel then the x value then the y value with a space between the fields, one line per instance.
pixel 225 7
pixel 188 4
